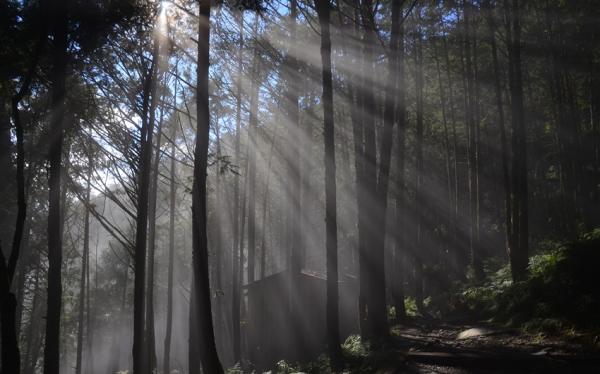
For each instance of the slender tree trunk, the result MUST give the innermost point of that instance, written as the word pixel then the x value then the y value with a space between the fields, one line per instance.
pixel 84 261
pixel 333 328
pixel 119 334
pixel 150 335
pixel 457 255
pixel 294 210
pixel 218 240
pixel 447 219
pixel 519 200
pixel 501 125
pixel 419 201
pixel 293 114
pixel 372 269
pixel 54 300
pixel 32 328
pixel 172 201
pixel 400 213
pixel 472 148
pixel 89 328
pixel 253 139
pixel 356 102
pixel 379 307
pixel 10 346
pixel 10 310
pixel 244 206
pixel 263 245
pixel 208 351
pixel 236 258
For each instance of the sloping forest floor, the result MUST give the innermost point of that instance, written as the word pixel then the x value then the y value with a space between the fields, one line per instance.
pixel 431 346
pixel 549 323
pixel 487 348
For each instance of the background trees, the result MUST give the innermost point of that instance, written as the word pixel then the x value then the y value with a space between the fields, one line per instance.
pixel 112 125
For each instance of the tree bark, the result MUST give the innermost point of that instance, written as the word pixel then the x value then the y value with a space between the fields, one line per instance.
pixel 172 201
pixel 501 125
pixel 472 148
pixel 295 139
pixel 208 351
pixel 144 167
pixel 519 200
pixel 84 262
pixel 379 307
pixel 236 257
pixel 10 309
pixel 150 335
pixel 419 201
pixel 333 328
pixel 400 208
pixel 372 263
pixel 253 138
pixel 355 97
pixel 58 81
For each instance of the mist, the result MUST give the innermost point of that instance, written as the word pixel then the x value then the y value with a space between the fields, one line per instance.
pixel 299 186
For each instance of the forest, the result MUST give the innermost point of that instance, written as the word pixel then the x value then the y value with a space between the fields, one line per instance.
pixel 299 186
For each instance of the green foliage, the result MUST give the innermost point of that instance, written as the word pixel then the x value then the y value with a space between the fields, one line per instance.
pixel 320 365
pixel 355 347
pixel 236 369
pixel 370 357
pixel 359 357
pixel 411 307
pixel 561 291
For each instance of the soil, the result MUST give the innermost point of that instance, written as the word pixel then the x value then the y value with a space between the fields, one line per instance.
pixel 485 348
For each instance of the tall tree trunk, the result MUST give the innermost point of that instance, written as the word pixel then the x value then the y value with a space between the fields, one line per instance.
pixel 84 262
pixel 172 201
pixel 150 335
pixel 472 148
pixel 144 168
pixel 10 310
pixel 372 269
pixel 294 211
pixel 263 246
pixel 208 351
pixel 400 211
pixel 519 200
pixel 333 327
pixel 379 308
pixel 253 139
pixel 457 255
pixel 236 257
pixel 355 97
pixel 419 201
pixel 58 81
pixel 295 137
pixel 447 209
pixel 501 125
pixel 89 328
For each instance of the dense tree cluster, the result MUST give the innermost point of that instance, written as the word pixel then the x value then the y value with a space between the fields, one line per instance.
pixel 158 159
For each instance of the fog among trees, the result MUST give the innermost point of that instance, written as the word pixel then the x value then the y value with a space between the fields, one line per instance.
pixel 315 186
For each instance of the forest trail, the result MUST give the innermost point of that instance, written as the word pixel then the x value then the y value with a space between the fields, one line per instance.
pixel 483 348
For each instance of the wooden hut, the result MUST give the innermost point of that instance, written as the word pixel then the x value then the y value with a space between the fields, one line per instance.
pixel 286 316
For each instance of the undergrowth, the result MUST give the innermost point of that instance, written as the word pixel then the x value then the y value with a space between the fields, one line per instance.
pixel 359 357
pixel 561 294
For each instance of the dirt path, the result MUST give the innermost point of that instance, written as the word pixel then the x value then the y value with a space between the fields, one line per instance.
pixel 482 348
